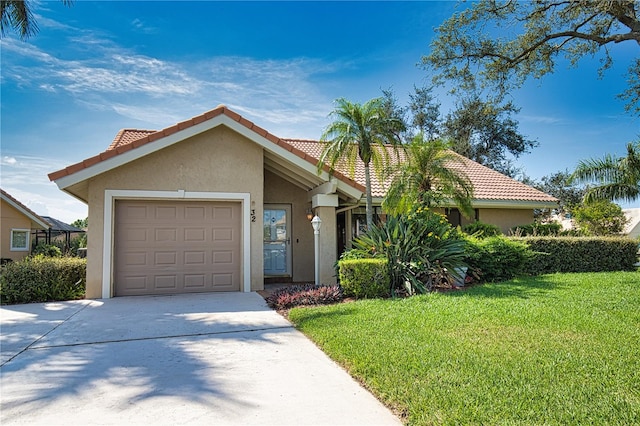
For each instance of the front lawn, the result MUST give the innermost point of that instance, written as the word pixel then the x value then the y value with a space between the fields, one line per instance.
pixel 553 349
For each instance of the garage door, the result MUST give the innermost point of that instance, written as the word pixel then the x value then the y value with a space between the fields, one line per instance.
pixel 168 247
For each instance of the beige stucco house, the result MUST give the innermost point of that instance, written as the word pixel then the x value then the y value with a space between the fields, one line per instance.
pixel 216 203
pixel 17 226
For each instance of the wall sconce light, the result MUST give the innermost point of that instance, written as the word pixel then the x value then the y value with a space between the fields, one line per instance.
pixel 309 214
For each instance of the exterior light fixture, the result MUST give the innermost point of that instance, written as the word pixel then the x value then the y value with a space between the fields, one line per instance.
pixel 316 223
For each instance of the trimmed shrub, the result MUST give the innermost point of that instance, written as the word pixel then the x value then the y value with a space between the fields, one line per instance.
pixel 364 278
pixel 497 258
pixel 537 229
pixel 43 279
pixel 481 230
pixel 304 295
pixel 581 254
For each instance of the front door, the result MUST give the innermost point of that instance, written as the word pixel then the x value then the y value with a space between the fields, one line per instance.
pixel 277 240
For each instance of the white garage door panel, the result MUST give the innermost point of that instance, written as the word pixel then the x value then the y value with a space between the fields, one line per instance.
pixel 166 247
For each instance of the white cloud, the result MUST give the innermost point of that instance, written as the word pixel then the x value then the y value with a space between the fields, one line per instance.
pixel 142 27
pixel 542 119
pixel 282 93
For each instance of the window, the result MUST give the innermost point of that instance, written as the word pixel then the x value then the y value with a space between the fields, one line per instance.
pixel 20 239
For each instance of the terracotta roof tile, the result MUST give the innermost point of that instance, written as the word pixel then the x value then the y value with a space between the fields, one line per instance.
pixel 126 136
pixel 128 139
pixel 91 161
pixel 488 184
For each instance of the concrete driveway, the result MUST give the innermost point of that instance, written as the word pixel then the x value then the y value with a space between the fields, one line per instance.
pixel 187 359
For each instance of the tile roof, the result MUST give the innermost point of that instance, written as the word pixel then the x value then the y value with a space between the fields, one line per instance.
pixel 314 148
pixel 126 140
pixel 489 185
pixel 126 136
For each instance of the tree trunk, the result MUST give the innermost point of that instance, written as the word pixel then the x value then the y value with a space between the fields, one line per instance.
pixel 367 176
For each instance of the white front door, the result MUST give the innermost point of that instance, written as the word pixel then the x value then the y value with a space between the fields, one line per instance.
pixel 277 240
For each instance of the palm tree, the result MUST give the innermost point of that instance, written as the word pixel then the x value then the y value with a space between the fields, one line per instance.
pixel 428 178
pixel 360 131
pixel 16 14
pixel 617 178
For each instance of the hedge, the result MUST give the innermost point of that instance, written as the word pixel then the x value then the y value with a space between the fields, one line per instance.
pixel 498 258
pixel 581 254
pixel 364 278
pixel 43 279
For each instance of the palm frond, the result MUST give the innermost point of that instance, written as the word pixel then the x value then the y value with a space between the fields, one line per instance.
pixel 615 178
pixel 427 178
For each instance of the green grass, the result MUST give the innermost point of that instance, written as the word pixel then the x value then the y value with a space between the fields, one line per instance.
pixel 554 349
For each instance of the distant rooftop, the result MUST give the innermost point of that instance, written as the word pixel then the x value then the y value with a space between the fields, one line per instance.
pixel 57 225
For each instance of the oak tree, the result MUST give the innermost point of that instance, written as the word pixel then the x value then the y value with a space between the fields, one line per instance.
pixel 500 44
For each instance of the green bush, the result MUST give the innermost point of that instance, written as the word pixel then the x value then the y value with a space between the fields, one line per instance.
pixel 601 217
pixel 421 248
pixel 49 250
pixel 43 279
pixel 497 258
pixel 76 243
pixel 581 254
pixel 537 229
pixel 481 230
pixel 364 278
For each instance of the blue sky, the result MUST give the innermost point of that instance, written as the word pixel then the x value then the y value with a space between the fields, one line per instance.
pixel 97 67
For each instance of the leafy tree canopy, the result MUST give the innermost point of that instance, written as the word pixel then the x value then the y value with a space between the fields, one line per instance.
pixel 482 130
pixel 561 186
pixel 485 132
pixel 501 44
pixel 81 223
pixel 601 217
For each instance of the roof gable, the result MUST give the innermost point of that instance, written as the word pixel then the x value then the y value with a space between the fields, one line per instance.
pixel 127 147
pixel 24 210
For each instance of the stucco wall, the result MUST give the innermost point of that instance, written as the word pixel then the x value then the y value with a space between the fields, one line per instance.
pixel 11 218
pixel 506 218
pixel 328 244
pixel 219 160
pixel 279 191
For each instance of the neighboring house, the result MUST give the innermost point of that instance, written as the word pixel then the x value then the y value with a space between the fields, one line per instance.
pixel 17 226
pixel 632 229
pixel 216 203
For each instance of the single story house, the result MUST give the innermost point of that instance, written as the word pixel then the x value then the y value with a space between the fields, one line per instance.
pixel 216 203
pixel 17 226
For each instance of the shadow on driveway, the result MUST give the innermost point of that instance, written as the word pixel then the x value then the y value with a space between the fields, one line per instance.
pixel 189 359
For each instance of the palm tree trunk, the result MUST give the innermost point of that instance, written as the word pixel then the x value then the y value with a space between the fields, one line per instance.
pixel 367 176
